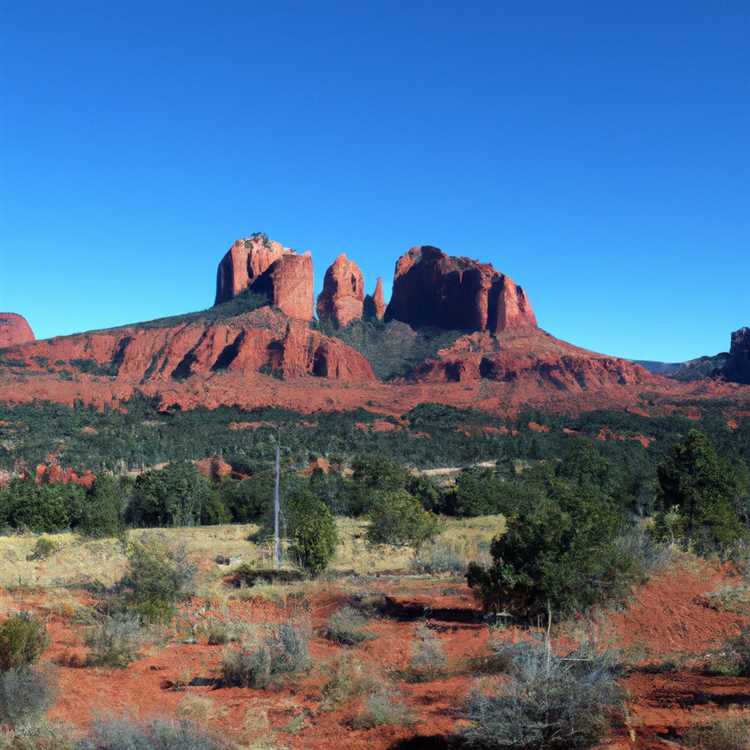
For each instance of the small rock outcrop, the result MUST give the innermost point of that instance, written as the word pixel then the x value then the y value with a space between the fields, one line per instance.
pixel 342 298
pixel 374 306
pixel 431 288
pixel 269 268
pixel 14 330
pixel 737 367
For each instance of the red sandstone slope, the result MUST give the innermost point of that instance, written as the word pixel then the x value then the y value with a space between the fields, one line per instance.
pixel 530 354
pixel 249 345
pixel 14 330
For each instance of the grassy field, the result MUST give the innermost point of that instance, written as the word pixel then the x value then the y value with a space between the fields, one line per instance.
pixel 78 561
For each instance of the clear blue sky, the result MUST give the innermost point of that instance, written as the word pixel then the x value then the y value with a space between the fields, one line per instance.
pixel 598 153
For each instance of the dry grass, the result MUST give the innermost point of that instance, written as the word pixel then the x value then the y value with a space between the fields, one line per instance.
pixel 78 561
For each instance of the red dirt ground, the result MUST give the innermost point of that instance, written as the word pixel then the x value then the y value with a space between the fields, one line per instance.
pixel 666 619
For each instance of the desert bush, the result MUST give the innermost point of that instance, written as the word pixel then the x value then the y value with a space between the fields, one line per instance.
pixel 561 554
pixel 158 576
pixel 498 661
pixel 114 641
pixel 428 659
pixel 730 599
pixel 383 707
pixel 369 603
pixel 725 734
pixel 247 665
pixel 283 650
pixel 398 518
pixel 734 655
pixel 37 735
pixel 200 709
pixel 44 548
pixel 124 734
pixel 437 556
pixel 22 641
pixel 311 530
pixel 549 702
pixel 345 626
pixel 25 694
pixel 348 679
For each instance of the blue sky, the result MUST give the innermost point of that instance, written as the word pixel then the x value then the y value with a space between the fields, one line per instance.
pixel 598 153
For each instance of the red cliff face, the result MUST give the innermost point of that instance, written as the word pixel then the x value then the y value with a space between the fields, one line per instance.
pixel 737 367
pixel 269 268
pixel 14 330
pixel 374 306
pixel 342 298
pixel 431 288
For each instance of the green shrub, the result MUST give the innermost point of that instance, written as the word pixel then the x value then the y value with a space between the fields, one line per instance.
pixel 103 513
pixel 345 627
pixel 311 529
pixel 732 733
pixel 158 576
pixel 399 519
pixel 25 694
pixel 561 554
pixel 114 642
pixel 124 734
pixel 428 659
pixel 23 639
pixel 44 548
pixel 550 702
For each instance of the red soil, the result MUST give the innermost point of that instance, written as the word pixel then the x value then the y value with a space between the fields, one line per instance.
pixel 667 618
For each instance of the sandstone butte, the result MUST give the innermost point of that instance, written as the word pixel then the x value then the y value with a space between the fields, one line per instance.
pixel 431 288
pixel 270 269
pixel 272 356
pixel 343 295
pixel 14 330
pixel 737 367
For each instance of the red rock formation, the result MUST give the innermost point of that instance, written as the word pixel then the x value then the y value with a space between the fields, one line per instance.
pixel 431 288
pixel 342 298
pixel 245 262
pixel 269 268
pixel 54 474
pixel 263 341
pixel 516 357
pixel 214 467
pixel 14 330
pixel 289 283
pixel 737 367
pixel 374 306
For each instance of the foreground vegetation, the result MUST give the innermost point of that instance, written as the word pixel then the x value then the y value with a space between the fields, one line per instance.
pixel 566 530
